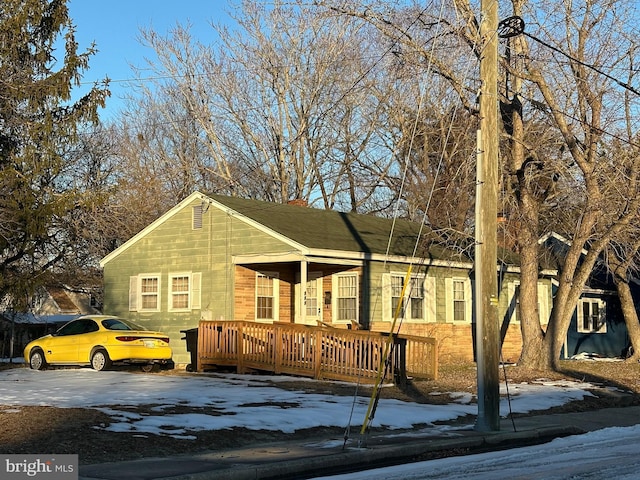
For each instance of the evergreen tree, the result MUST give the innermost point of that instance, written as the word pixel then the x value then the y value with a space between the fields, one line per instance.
pixel 40 123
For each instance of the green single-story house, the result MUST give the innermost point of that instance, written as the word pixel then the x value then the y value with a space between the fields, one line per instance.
pixel 214 257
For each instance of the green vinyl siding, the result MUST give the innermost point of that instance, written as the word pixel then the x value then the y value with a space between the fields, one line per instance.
pixel 438 278
pixel 175 247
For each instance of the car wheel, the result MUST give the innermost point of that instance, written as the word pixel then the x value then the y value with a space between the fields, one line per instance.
pixel 150 367
pixel 100 360
pixel 37 360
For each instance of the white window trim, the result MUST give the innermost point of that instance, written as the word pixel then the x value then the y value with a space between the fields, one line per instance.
pixel 276 297
pixel 602 309
pixel 468 299
pixel 543 302
pixel 189 292
pixel 139 295
pixel 334 297
pixel 428 299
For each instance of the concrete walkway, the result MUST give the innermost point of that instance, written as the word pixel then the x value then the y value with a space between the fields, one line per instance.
pixel 326 456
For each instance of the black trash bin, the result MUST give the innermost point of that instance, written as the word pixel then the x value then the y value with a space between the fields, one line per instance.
pixel 191 336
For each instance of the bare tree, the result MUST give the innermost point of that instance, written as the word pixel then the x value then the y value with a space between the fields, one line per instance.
pixel 582 104
pixel 560 98
pixel 286 106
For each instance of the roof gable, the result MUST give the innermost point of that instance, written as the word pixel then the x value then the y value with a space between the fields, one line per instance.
pixel 149 228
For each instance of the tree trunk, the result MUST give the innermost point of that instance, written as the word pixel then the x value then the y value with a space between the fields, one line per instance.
pixel 630 316
pixel 573 277
pixel 620 275
pixel 533 353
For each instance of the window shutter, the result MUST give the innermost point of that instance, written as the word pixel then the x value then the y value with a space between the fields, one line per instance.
pixel 468 301
pixel 196 280
pixel 276 296
pixel 387 314
pixel 133 293
pixel 448 297
pixel 430 299
pixel 543 303
pixel 334 298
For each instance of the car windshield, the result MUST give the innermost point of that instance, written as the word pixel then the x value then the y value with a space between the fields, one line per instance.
pixel 120 324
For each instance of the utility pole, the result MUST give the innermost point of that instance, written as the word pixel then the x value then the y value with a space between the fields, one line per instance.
pixel 486 280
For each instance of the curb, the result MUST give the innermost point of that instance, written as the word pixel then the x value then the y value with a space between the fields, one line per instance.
pixel 382 456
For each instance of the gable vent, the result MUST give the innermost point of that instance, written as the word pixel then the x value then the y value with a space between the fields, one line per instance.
pixel 197 217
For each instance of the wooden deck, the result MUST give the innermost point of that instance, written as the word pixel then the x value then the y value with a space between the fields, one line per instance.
pixel 317 352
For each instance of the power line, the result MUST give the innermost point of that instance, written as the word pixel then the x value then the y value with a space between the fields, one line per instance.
pixel 515 25
pixel 509 27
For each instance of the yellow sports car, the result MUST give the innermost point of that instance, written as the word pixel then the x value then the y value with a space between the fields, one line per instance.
pixel 99 341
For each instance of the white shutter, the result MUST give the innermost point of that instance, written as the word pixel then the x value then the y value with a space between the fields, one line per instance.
pixel 448 299
pixel 133 293
pixel 430 299
pixel 543 303
pixel 468 301
pixel 387 314
pixel 196 280
pixel 276 297
pixel 334 298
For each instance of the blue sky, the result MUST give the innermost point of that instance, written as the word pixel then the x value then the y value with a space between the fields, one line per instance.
pixel 114 26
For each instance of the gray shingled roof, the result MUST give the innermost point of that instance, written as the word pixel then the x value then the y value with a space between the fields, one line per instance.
pixel 327 229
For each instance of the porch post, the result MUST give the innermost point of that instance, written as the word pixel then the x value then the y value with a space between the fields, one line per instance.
pixel 302 301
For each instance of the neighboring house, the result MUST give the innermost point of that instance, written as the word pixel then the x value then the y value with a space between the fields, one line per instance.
pixel 597 327
pixel 226 258
pixel 59 300
pixel 51 307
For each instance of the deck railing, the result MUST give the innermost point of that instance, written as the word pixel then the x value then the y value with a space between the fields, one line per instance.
pixel 318 352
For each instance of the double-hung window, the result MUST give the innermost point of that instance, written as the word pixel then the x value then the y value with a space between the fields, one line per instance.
pixel 415 311
pixel 144 292
pixel 266 296
pixel 458 299
pixel 150 293
pixel 418 303
pixel 345 306
pixel 180 289
pixel 397 306
pixel 591 316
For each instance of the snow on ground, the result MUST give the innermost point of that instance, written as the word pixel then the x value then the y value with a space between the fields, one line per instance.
pixel 250 401
pixel 608 453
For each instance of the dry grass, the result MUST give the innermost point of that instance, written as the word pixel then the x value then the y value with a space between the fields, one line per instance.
pixel 622 375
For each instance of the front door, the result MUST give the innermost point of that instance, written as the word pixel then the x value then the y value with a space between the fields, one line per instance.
pixel 312 299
